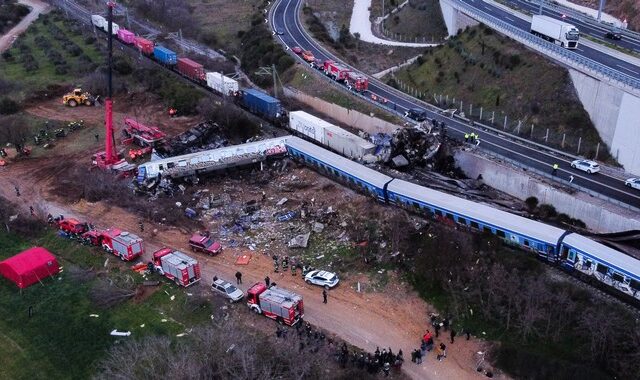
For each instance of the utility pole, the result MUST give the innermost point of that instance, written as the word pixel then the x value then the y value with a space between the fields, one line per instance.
pixel 540 10
pixel 275 84
pixel 600 8
pixel 110 154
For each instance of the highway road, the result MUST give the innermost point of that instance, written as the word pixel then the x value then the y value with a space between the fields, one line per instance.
pixel 612 62
pixel 284 18
pixel 596 31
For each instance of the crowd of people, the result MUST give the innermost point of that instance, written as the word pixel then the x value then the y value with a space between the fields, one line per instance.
pixel 314 340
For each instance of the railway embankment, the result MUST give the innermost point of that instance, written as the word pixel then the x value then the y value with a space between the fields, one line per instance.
pixel 600 215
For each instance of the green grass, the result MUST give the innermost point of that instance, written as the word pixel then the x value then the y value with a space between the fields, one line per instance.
pixel 61 340
pixel 421 19
pixel 14 69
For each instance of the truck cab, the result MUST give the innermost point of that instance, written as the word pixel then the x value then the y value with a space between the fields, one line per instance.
pixel 72 226
pixel 204 243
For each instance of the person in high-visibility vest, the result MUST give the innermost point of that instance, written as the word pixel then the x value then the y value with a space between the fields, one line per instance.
pixel 466 137
pixel 555 169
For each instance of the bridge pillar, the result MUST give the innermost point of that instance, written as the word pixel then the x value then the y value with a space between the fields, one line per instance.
pixel 454 19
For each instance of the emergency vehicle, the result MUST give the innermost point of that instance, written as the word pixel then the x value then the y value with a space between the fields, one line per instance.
pixel 284 306
pixel 176 266
pixel 123 244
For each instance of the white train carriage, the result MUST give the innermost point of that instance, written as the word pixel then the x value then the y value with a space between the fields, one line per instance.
pixel 350 173
pixel 602 263
pixel 536 236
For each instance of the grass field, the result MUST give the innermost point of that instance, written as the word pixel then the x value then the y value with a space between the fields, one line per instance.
pixel 51 51
pixel 61 340
pixel 491 71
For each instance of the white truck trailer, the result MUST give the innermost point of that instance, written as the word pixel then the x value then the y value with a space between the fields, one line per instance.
pixel 222 84
pixel 556 31
pixel 329 135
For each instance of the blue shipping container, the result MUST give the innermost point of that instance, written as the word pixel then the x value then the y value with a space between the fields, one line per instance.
pixel 165 55
pixel 260 103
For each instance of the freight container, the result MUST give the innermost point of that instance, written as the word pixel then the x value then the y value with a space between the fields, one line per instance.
pixel 261 104
pixel 176 266
pixel 164 55
pixel 98 21
pixel 555 31
pixel 221 83
pixel 126 36
pixel 329 135
pixel 144 45
pixel 191 69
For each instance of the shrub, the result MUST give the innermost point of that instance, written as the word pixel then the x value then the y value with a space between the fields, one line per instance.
pixel 532 203
pixel 8 106
pixel 547 211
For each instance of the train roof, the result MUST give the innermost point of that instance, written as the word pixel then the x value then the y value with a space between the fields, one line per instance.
pixel 608 255
pixel 262 95
pixel 478 211
pixel 350 167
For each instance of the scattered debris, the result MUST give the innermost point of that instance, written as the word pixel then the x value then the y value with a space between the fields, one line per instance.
pixel 399 161
pixel 318 227
pixel 300 241
pixel 282 201
pixel 120 333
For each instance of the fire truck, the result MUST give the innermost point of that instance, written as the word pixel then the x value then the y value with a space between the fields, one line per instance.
pixel 123 244
pixel 284 306
pixel 336 71
pixel 176 266
pixel 357 82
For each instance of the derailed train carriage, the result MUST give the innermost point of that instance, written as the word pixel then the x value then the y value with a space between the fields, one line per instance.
pixel 573 252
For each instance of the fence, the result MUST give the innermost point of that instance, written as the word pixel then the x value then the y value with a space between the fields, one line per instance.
pixel 568 57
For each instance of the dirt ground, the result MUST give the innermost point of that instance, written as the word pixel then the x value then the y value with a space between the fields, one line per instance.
pixel 393 317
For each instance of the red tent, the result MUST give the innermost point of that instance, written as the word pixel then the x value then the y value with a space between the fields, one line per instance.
pixel 28 267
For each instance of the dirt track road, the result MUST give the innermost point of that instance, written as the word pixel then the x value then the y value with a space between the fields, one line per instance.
pixel 37 7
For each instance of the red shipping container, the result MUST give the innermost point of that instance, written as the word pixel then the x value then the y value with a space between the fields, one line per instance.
pixel 144 45
pixel 126 36
pixel 191 69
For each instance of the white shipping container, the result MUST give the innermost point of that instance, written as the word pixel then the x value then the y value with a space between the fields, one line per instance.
pixel 221 83
pixel 329 135
pixel 98 21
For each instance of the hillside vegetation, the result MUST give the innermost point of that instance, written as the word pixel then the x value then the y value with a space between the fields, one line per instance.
pixel 488 70
pixel 622 9
pixel 10 14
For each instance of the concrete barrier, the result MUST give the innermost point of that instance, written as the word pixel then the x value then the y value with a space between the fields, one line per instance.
pixel 599 215
pixel 343 115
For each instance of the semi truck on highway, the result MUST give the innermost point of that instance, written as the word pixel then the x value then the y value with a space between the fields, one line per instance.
pixel 556 31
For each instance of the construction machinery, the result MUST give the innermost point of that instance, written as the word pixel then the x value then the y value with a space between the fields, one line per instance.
pixel 77 97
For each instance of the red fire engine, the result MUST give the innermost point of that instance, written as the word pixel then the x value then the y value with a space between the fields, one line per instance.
pixel 123 244
pixel 275 303
pixel 335 70
pixel 176 266
pixel 357 82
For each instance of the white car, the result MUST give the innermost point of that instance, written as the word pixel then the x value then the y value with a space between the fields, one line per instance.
pixel 633 182
pixel 322 278
pixel 586 166
pixel 227 290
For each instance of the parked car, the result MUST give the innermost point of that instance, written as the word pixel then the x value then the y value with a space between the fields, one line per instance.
pixel 203 243
pixel 322 278
pixel 586 166
pixel 297 50
pixel 613 35
pixel 633 183
pixel 226 289
pixel 308 56
pixel 416 114
pixel 278 32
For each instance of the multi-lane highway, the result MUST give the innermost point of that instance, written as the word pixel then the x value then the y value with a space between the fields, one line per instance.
pixel 589 28
pixel 601 57
pixel 284 17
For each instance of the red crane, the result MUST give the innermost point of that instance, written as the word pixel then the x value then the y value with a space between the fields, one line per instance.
pixel 108 159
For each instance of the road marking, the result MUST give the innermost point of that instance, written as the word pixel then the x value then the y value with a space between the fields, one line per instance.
pixel 578 49
pixel 629 70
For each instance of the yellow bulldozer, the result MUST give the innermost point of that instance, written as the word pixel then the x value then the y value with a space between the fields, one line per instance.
pixel 76 97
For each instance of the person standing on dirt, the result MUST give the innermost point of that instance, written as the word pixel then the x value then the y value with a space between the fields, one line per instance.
pixel 239 277
pixel 97 136
pixel 17 190
pixel 141 226
pixel 267 281
pixel 324 295
pixel 453 335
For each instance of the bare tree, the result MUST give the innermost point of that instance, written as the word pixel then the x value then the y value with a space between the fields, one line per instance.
pixel 14 130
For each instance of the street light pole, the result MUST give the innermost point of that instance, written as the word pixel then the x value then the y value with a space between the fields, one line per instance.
pixel 600 7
